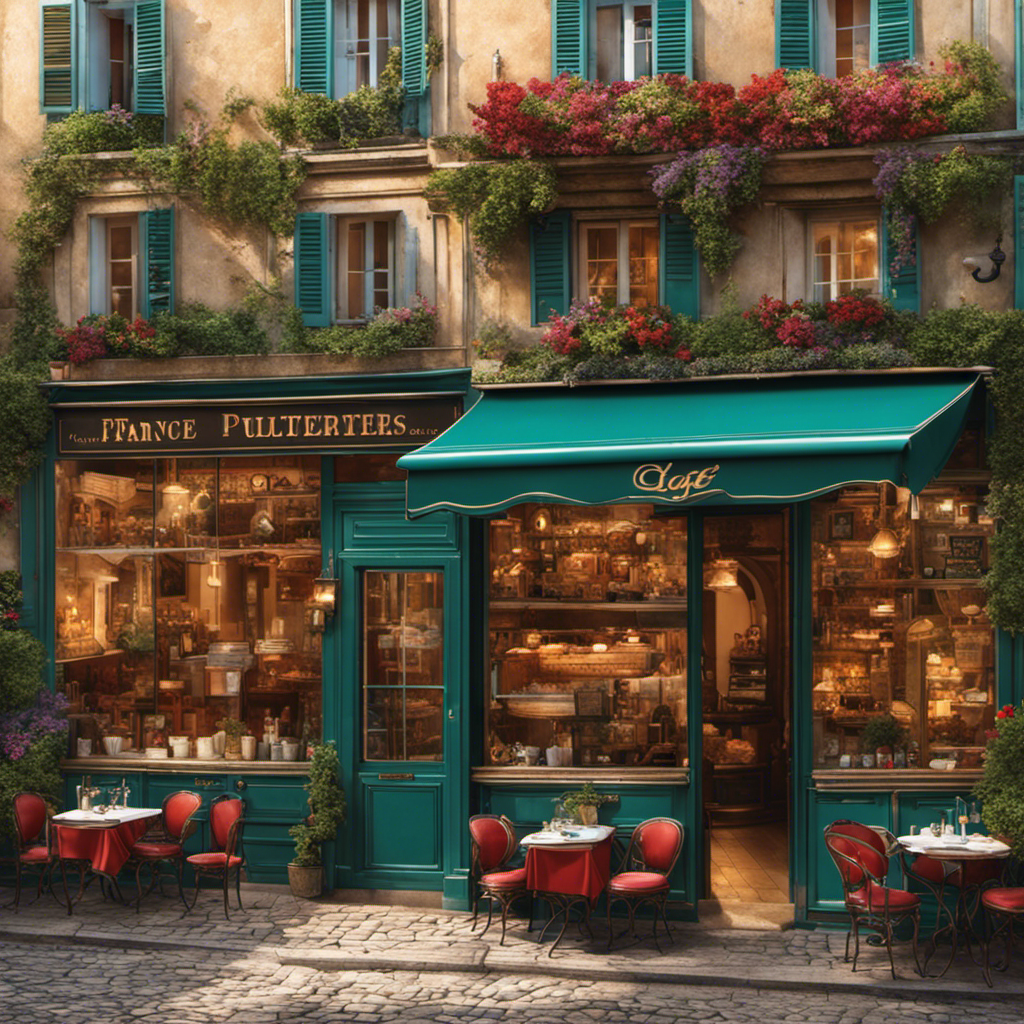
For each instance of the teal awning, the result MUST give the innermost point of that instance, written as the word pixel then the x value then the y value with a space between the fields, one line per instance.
pixel 714 441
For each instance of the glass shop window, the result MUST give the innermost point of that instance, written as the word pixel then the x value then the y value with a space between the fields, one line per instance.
pixel 900 627
pixel 403 666
pixel 587 637
pixel 184 598
pixel 620 262
pixel 844 257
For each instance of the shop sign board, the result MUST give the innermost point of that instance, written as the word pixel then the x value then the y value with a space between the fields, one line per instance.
pixel 335 423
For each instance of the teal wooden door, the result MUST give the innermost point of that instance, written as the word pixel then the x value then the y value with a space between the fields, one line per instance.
pixel 401 671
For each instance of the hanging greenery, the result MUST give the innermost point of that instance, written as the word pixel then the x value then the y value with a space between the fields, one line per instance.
pixel 498 199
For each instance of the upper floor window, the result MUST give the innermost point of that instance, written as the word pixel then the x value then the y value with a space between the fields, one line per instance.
pixel 620 261
pixel 366 260
pixel 131 263
pixel 844 256
pixel 840 37
pixel 94 56
pixel 623 35
pixel 364 32
pixel 845 36
pixel 619 40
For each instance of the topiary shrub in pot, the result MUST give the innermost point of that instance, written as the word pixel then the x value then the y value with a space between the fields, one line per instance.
pixel 326 812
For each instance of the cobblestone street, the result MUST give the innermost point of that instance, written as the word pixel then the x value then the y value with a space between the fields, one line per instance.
pixel 283 960
pixel 108 986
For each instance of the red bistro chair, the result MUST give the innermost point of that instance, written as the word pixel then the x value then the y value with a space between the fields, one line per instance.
pixel 494 844
pixel 650 857
pixel 1003 906
pixel 227 817
pixel 861 856
pixel 166 845
pixel 32 828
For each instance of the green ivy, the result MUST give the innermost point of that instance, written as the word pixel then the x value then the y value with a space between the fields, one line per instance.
pixel 38 771
pixel 498 199
pixel 304 118
pixel 22 662
pixel 1001 788
pixel 24 424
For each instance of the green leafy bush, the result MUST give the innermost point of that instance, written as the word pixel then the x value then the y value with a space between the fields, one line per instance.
pixel 389 332
pixel 1001 788
pixel 24 422
pixel 962 336
pixel 197 330
pixel 98 131
pixel 498 199
pixel 300 118
pixel 22 661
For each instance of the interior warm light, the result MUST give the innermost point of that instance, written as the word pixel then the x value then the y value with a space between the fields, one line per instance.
pixel 723 574
pixel 884 544
pixel 214 580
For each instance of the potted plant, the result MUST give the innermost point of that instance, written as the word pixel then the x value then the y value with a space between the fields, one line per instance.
pixel 882 731
pixel 326 812
pixel 234 730
pixel 1001 789
pixel 584 802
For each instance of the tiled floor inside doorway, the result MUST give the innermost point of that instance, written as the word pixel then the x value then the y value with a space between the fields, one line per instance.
pixel 750 863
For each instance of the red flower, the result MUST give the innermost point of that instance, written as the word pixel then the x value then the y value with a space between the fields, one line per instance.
pixel 1000 714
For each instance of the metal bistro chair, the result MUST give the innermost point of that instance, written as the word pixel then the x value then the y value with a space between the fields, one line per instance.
pixel 494 844
pixel 166 843
pixel 1004 908
pixel 227 817
pixel 650 857
pixel 861 856
pixel 35 852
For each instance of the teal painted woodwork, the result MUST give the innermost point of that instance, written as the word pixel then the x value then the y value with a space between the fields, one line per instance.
pixel 679 267
pixel 312 278
pixel 150 58
pixel 314 46
pixel 892 31
pixel 414 41
pixel 374 530
pixel 673 37
pixel 156 269
pixel 549 265
pixel 824 889
pixel 795 34
pixel 902 289
pixel 58 72
pixel 569 37
pixel 402 826
pixel 1018 78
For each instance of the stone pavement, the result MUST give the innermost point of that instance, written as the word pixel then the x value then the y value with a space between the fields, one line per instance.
pixel 333 936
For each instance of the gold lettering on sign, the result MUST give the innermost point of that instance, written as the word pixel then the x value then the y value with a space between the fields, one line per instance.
pixel 659 479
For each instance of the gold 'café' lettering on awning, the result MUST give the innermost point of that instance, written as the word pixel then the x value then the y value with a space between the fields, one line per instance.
pixel 343 423
pixel 658 478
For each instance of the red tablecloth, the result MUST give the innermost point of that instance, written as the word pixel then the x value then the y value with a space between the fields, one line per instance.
pixel 573 872
pixel 107 849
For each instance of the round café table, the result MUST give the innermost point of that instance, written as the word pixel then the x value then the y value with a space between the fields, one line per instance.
pixel 568 870
pixel 954 855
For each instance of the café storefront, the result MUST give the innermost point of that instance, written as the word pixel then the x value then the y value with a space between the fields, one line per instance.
pixel 226 576
pixel 705 596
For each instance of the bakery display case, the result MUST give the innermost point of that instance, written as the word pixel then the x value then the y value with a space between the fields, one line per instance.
pixel 899 625
pixel 183 597
pixel 588 637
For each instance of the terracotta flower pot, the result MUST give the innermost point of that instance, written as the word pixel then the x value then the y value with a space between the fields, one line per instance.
pixel 306 882
pixel 588 814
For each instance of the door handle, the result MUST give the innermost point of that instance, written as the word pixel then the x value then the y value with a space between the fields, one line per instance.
pixel 451 714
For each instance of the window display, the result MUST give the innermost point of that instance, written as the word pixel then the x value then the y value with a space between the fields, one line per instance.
pixel 184 593
pixel 588 637
pixel 903 650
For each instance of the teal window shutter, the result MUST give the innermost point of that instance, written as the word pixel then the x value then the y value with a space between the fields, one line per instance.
pixel 673 37
pixel 414 42
pixel 312 294
pixel 150 58
pixel 314 50
pixel 156 271
pixel 892 30
pixel 549 265
pixel 569 37
pixel 794 34
pixel 903 289
pixel 1018 242
pixel 57 72
pixel 679 267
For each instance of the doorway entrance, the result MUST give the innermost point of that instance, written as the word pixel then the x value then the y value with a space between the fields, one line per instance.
pixel 746 702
